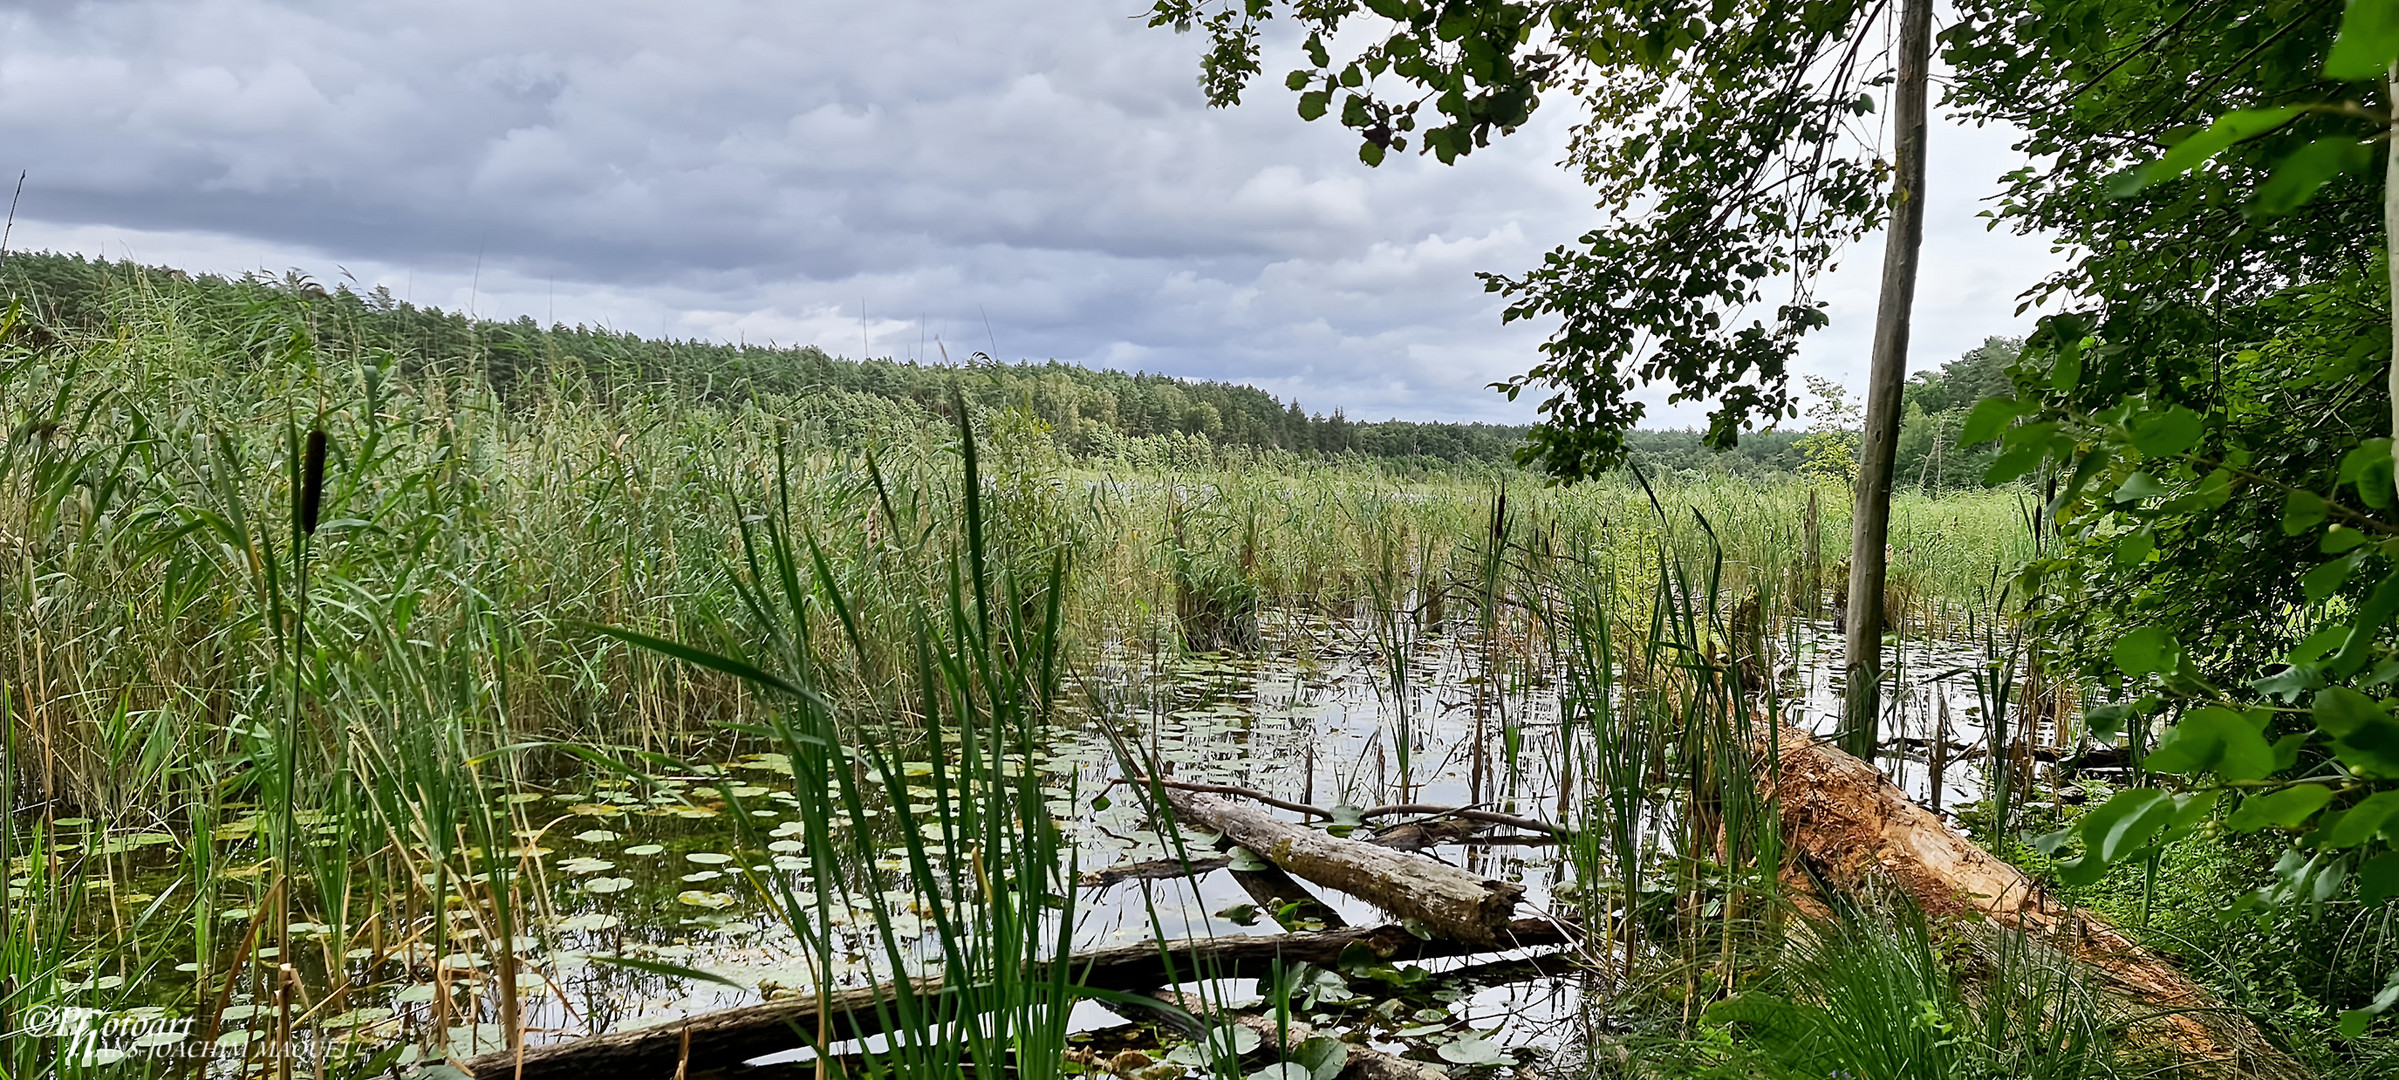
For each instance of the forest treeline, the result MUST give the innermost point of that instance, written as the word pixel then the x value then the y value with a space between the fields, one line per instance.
pixel 1090 413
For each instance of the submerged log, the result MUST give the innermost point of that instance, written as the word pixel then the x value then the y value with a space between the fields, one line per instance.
pixel 1450 902
pixel 1857 829
pixel 731 1036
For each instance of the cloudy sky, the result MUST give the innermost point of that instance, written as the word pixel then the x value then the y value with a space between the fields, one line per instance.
pixel 1031 178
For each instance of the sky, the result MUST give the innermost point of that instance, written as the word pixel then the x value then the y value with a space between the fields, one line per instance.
pixel 1032 179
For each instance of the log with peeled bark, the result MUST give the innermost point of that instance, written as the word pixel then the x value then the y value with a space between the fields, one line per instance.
pixel 1448 901
pixel 729 1037
pixel 1857 829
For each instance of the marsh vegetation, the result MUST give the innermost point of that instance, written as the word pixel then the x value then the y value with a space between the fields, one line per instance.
pixel 580 704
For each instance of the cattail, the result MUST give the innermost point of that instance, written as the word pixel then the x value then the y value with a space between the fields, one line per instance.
pixel 312 480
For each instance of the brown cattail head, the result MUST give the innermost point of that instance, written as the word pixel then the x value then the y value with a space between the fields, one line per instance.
pixel 312 481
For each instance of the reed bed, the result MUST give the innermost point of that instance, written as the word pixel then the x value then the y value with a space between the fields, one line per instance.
pixel 302 699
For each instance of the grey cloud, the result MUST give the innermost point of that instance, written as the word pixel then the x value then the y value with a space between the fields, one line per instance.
pixel 748 169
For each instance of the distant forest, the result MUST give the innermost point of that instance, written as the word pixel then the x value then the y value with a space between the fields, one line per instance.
pixel 1102 413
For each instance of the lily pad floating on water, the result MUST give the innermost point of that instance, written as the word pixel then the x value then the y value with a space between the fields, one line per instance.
pixel 585 865
pixel 598 836
pixel 707 858
pixel 639 851
pixel 357 1018
pixel 1473 1051
pixel 607 885
pixel 713 901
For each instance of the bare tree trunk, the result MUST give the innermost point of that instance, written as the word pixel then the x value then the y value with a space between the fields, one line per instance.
pixel 1871 529
pixel 2390 232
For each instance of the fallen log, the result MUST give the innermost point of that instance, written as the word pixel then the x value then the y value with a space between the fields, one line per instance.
pixel 1467 813
pixel 731 1036
pixel 1858 829
pixel 1448 901
pixel 1406 836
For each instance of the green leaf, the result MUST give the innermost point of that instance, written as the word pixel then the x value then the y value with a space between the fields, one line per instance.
pixel 2293 680
pixel 2362 821
pixel 2105 721
pixel 2340 538
pixel 2341 711
pixel 2317 645
pixel 2147 650
pixel 2068 371
pixel 1472 1051
pixel 2134 549
pixel 2372 750
pixel 2167 432
pixel 2319 584
pixel 2369 467
pixel 2189 154
pixel 2286 749
pixel 2213 740
pixel 1991 416
pixel 730 666
pixel 2353 1022
pixel 1313 104
pixel 2378 609
pixel 2307 169
pixel 2139 486
pixel 2302 510
pixel 2014 463
pixel 2368 41
pixel 1323 1056
pixel 2285 809
pixel 2119 827
pixel 2378 880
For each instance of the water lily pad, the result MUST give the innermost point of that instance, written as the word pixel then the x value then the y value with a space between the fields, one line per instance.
pixel 598 836
pixel 608 885
pixel 645 850
pixel 707 858
pixel 356 1018
pixel 714 901
pixel 1473 1051
pixel 585 865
